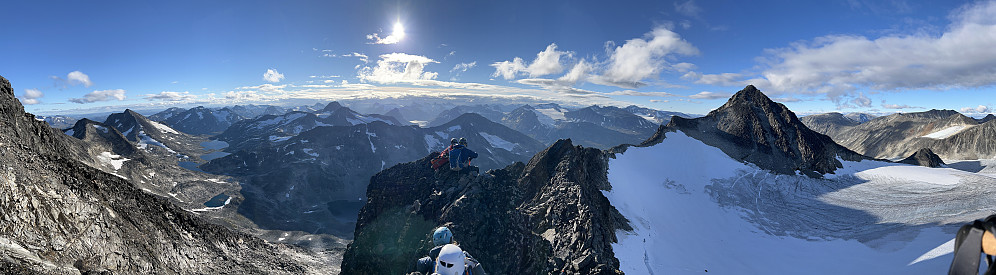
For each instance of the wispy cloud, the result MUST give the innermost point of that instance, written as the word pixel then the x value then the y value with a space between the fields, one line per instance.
pixel 688 8
pixel 461 68
pixel 31 96
pixel 170 96
pixel 104 95
pixel 271 75
pixel 710 95
pixel 636 93
pixel 72 79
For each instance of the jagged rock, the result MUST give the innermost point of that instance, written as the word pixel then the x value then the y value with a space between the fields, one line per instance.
pixel 61 216
pixel 924 157
pixel 752 128
pixel 545 217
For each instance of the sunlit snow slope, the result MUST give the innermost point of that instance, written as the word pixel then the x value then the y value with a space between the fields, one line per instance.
pixel 696 210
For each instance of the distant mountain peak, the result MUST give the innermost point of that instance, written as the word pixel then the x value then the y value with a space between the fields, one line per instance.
pixel 751 127
pixel 332 107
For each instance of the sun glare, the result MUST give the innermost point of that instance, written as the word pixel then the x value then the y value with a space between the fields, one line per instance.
pixel 399 31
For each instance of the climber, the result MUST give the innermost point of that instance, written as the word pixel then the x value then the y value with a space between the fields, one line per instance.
pixel 973 238
pixel 444 156
pixel 454 261
pixel 441 238
pixel 460 157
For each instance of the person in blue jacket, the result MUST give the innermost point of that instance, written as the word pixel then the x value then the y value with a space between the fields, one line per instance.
pixel 460 157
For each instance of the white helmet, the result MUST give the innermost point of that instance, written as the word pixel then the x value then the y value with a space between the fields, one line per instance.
pixel 450 260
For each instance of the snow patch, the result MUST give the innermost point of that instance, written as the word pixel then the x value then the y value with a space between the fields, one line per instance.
pixel 111 159
pixel 70 132
pixel 453 128
pixel 101 128
pixel 310 152
pixel 498 142
pixel 163 128
pixel 279 139
pixel 946 132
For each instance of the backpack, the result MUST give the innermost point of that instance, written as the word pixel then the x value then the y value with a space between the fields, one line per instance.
pixel 454 160
pixel 442 158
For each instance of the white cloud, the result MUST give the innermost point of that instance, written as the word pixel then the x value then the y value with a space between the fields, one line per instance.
pixel 463 67
pixel 578 73
pixel 688 8
pixel 547 62
pixel 31 96
pixel 72 79
pixel 272 75
pixel 396 68
pixel 710 95
pixel 265 87
pixel 723 79
pixel 981 109
pixel 837 65
pixel 361 56
pixel 78 78
pixel 862 101
pixel 397 34
pixel 630 64
pixel 897 106
pixel 170 96
pixel 508 69
pixel 104 95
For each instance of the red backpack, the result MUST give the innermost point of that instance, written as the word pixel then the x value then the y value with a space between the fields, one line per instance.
pixel 442 159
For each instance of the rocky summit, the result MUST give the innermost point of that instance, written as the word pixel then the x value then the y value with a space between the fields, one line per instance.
pixel 751 127
pixel 61 216
pixel 544 217
pixel 924 157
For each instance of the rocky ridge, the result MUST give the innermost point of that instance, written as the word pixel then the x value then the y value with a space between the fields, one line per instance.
pixel 61 216
pixel 544 217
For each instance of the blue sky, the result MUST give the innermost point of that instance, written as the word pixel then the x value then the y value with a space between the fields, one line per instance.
pixel 689 56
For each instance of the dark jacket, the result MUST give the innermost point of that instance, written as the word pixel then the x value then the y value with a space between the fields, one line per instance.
pixel 460 157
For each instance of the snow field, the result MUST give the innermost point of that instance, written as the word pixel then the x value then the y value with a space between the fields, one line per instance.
pixel 694 209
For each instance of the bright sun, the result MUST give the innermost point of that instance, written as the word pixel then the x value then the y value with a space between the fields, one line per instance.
pixel 399 31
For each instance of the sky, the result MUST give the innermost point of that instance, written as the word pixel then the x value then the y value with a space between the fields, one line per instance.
pixel 687 55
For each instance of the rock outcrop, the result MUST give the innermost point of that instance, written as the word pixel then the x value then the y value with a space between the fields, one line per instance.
pixel 548 216
pixel 752 128
pixel 924 157
pixel 828 123
pixel 61 216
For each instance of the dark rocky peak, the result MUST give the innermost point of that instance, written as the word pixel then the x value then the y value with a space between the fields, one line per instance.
pixel 22 128
pixel 469 119
pixel 924 157
pixel 860 117
pixel 751 127
pixel 545 217
pixel 332 107
pixel 988 118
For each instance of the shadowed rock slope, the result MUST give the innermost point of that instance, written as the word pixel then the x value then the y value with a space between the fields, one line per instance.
pixel 545 217
pixel 61 216
pixel 752 128
pixel 924 157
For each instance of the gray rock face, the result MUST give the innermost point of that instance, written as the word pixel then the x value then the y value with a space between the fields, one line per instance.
pixel 200 120
pixel 61 216
pixel 655 116
pixel 924 157
pixel 860 117
pixel 987 118
pixel 828 123
pixel 545 217
pixel 752 128
pixel 947 133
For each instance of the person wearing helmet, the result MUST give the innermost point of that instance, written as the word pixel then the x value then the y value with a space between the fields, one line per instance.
pixel 444 156
pixel 460 157
pixel 442 237
pixel 454 261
